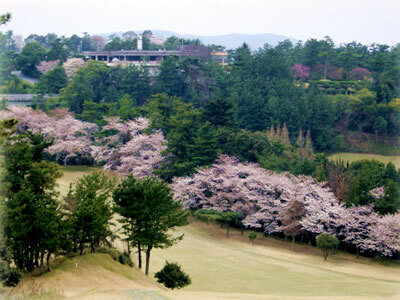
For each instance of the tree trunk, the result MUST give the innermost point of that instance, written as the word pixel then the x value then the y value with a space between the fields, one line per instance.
pixel 357 251
pixel 325 254
pixel 293 240
pixel 326 68
pixel 48 261
pixel 37 259
pixel 148 259
pixel 41 258
pixel 139 255
pixel 227 230
pixel 129 247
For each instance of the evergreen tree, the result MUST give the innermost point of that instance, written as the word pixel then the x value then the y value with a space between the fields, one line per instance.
pixel 53 81
pixel 183 127
pixel 33 219
pixel 89 211
pixel 300 139
pixel 285 135
pixel 390 202
pixel 220 112
pixel 126 108
pixel 204 150
pixel 149 205
pixel 308 145
pixel 30 57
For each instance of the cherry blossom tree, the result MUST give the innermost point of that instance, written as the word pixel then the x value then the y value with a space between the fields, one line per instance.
pixel 264 198
pixel 258 194
pixel 301 71
pixel 359 73
pixel 72 65
pixel 130 150
pixel 46 66
pixel 72 137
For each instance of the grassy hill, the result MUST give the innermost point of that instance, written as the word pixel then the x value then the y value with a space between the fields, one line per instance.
pixel 91 276
pixel 225 268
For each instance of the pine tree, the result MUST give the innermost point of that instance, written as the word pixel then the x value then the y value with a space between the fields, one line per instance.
pixel 271 132
pixel 278 135
pixel 149 203
pixel 300 139
pixel 90 216
pixel 33 228
pixel 204 150
pixel 308 145
pixel 285 135
pixel 220 113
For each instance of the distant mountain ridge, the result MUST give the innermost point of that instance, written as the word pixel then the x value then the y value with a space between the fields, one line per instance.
pixel 230 41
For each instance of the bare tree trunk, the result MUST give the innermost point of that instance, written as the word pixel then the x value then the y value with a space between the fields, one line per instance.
pixel 48 261
pixel 139 255
pixel 129 247
pixel 148 259
pixel 293 240
pixel 41 258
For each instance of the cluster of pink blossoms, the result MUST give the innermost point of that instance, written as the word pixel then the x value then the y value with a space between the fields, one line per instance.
pixel 262 198
pixel 127 150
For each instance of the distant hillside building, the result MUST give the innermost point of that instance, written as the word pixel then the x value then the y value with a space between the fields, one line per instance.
pixel 153 58
pixel 220 56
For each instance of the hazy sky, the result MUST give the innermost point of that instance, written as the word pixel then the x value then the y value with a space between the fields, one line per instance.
pixel 366 21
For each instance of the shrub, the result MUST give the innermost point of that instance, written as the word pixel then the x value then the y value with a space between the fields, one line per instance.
pixel 252 237
pixel 326 242
pixel 116 255
pixel 9 276
pixel 172 276
pixel 125 259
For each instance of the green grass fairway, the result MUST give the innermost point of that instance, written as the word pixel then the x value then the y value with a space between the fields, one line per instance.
pixel 350 157
pixel 72 173
pixel 231 268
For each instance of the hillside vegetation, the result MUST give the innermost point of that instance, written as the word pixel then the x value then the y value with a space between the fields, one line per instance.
pixel 350 157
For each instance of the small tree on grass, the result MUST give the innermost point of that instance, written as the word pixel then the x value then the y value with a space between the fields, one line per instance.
pixel 172 276
pixel 327 242
pixel 224 217
pixel 252 237
pixel 150 213
pixel 88 211
pixel 291 225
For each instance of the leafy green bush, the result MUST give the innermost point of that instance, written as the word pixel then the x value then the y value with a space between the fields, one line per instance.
pixel 172 276
pixel 326 242
pixel 9 276
pixel 125 259
pixel 116 255
pixel 252 236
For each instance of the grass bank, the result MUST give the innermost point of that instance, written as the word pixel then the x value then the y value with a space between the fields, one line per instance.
pixel 350 157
